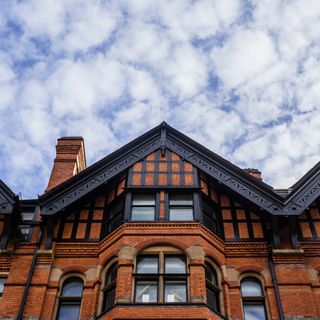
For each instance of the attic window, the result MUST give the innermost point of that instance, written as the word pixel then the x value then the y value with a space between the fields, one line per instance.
pixel 181 207
pixel 143 208
pixel 27 216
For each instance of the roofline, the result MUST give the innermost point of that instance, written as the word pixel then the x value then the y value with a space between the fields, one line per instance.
pixel 219 168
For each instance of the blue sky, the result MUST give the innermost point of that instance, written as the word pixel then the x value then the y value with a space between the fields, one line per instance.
pixel 240 77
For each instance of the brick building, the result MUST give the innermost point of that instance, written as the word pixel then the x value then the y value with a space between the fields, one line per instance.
pixel 162 228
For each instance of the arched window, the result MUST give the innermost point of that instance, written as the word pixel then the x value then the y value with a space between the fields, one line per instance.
pixel 161 277
pixel 253 299
pixel 212 288
pixel 70 299
pixel 109 289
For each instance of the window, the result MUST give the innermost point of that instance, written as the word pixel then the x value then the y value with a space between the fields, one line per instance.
pixel 253 299
pixel 210 216
pixel 181 207
pixel 70 299
pixel 115 215
pixel 212 288
pixel 109 290
pixel 143 208
pixel 161 278
pixel 3 280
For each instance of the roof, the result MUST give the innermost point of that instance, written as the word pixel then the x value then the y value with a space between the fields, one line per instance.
pixel 7 199
pixel 301 195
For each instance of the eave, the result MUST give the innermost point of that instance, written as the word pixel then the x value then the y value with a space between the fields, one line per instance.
pixel 306 190
pixel 8 199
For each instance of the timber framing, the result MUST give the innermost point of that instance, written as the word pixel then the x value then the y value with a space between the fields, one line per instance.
pixel 163 137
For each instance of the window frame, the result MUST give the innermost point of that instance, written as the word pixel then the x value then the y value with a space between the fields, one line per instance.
pixel 205 200
pixel 177 192
pixel 253 300
pixel 108 287
pixel 214 287
pixel 154 206
pixel 74 300
pixel 161 277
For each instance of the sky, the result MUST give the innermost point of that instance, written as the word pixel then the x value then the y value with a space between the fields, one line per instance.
pixel 240 77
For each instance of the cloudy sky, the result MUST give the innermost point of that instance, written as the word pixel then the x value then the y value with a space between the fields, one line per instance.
pixel 241 77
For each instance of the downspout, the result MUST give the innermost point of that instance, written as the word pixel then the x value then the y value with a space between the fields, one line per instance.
pixel 275 285
pixel 30 275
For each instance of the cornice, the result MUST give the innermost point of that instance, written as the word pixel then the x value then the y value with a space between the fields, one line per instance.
pixel 246 249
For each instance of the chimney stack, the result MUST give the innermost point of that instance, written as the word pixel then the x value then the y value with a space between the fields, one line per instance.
pixel 254 172
pixel 70 160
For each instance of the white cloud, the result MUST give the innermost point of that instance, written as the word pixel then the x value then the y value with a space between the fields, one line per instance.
pixel 244 81
pixel 244 57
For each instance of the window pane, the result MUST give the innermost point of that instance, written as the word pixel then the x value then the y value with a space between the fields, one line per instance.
pixel 115 223
pixel 143 214
pixel 146 291
pixel 251 288
pixel 112 274
pixel 143 200
pixel 2 282
pixel 210 223
pixel 174 264
pixel 181 214
pixel 212 299
pixel 116 210
pixel 254 312
pixel 27 215
pixel 109 298
pixel 175 291
pixel 69 311
pixel 210 274
pixel 181 200
pixel 147 264
pixel 72 288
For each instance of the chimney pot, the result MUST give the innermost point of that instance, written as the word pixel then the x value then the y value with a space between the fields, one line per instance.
pixel 254 172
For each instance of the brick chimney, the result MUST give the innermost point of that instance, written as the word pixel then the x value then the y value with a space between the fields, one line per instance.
pixel 254 172
pixel 70 160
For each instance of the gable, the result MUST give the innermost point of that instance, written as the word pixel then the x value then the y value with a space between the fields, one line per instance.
pixel 162 169
pixel 164 138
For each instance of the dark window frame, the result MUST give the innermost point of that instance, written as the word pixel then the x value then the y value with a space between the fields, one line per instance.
pixel 161 277
pixel 141 194
pixel 109 286
pixel 178 192
pixel 70 300
pixel 218 220
pixel 213 287
pixel 253 300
